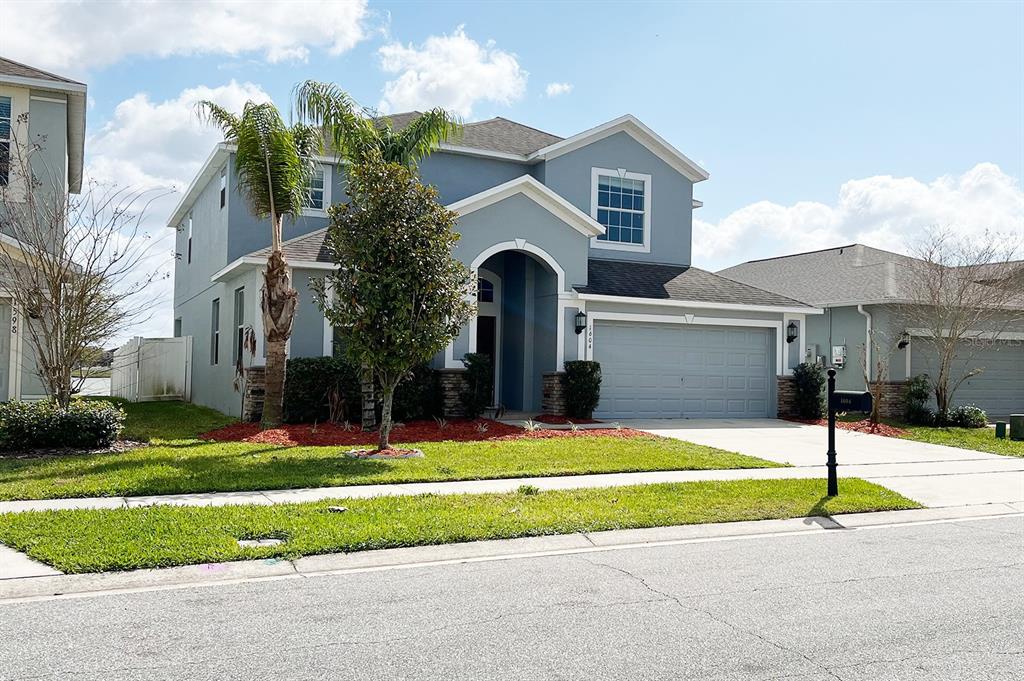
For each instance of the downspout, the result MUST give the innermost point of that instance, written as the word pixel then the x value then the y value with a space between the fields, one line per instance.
pixel 867 341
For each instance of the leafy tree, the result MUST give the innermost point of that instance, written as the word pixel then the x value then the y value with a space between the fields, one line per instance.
pixel 358 134
pixel 273 162
pixel 398 294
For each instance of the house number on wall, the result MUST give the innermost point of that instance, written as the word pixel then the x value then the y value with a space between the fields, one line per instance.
pixel 14 322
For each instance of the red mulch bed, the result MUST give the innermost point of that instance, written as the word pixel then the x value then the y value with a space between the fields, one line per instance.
pixel 864 426
pixel 330 434
pixel 556 420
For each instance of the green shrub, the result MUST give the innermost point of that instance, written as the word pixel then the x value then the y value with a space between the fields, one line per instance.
pixel 582 388
pixel 85 424
pixel 809 384
pixel 968 416
pixel 309 384
pixel 418 396
pixel 915 398
pixel 479 384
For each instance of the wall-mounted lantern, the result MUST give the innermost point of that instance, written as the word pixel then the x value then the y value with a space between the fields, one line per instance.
pixel 791 332
pixel 904 340
pixel 581 322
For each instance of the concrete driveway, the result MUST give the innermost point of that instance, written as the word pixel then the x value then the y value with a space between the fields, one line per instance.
pixel 934 475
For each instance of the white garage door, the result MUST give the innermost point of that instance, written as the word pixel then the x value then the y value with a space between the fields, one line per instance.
pixel 676 370
pixel 999 389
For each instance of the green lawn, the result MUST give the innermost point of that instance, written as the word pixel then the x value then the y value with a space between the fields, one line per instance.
pixel 162 536
pixel 177 463
pixel 978 439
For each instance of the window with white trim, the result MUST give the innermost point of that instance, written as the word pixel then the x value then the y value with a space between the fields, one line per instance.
pixel 5 140
pixel 215 331
pixel 190 238
pixel 223 186
pixel 316 190
pixel 484 291
pixel 621 202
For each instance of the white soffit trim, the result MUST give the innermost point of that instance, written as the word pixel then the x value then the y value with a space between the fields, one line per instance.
pixel 697 304
pixel 540 194
pixel 210 168
pixel 635 129
pixel 482 153
pixel 972 334
pixel 255 261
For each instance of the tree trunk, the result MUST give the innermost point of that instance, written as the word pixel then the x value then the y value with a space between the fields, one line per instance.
pixel 385 417
pixel 369 409
pixel 273 398
pixel 279 302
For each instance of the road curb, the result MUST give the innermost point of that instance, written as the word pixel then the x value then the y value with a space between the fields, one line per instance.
pixel 212 574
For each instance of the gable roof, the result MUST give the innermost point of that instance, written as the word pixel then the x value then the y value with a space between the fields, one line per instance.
pixel 540 194
pixel 24 75
pixel 499 135
pixel 845 275
pixel 677 284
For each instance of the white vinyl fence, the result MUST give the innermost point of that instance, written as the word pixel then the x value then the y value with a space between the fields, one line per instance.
pixel 152 369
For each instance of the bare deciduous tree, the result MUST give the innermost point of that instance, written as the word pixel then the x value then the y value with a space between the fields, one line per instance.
pixel 875 357
pixel 76 267
pixel 954 309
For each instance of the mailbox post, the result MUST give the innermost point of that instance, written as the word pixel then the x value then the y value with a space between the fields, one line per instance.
pixel 840 400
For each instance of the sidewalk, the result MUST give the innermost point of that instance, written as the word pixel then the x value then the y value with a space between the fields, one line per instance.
pixel 48 584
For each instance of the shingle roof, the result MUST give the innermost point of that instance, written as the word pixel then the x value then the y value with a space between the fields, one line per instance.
pixel 846 275
pixel 9 67
pixel 494 134
pixel 306 248
pixel 674 282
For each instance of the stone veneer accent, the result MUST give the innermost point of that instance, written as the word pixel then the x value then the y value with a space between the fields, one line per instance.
pixel 453 384
pixel 892 402
pixel 255 387
pixel 553 393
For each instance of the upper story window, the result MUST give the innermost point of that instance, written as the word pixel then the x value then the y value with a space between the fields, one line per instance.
pixel 223 186
pixel 484 291
pixel 621 202
pixel 5 140
pixel 189 238
pixel 318 192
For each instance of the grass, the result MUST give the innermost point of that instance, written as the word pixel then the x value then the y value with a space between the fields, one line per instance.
pixel 177 463
pixel 978 439
pixel 163 536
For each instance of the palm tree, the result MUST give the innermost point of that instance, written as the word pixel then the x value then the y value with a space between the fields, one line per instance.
pixel 273 163
pixel 357 134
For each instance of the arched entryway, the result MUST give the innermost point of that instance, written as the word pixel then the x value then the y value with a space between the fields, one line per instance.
pixel 517 321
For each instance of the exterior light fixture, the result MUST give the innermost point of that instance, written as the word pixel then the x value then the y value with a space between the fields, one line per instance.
pixel 791 332
pixel 904 340
pixel 581 322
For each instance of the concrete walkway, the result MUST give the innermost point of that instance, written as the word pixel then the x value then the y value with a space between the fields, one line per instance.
pixel 934 475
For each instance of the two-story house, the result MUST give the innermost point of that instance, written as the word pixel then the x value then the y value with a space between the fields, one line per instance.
pixel 47 110
pixel 582 250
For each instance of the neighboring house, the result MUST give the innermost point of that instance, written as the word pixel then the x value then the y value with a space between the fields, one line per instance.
pixel 862 288
pixel 582 250
pixel 56 122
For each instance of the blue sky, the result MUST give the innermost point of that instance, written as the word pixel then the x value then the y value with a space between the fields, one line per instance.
pixel 820 123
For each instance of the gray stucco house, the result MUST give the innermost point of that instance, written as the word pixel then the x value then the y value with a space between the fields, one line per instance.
pixel 599 223
pixel 55 107
pixel 862 289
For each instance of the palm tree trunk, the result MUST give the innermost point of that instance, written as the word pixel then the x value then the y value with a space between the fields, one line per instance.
pixel 384 434
pixel 369 411
pixel 279 302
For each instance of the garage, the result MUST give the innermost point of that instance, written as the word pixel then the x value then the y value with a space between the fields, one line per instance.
pixel 655 370
pixel 999 389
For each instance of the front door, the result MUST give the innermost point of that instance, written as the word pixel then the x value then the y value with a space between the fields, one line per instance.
pixel 486 343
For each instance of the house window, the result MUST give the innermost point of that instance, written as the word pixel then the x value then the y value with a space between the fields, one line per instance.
pixel 5 140
pixel 215 331
pixel 190 238
pixel 177 327
pixel 621 202
pixel 316 190
pixel 223 186
pixel 239 324
pixel 484 291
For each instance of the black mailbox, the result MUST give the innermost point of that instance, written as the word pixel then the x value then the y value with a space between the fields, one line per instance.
pixel 850 400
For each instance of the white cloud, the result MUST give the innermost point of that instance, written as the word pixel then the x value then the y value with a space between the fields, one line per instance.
pixel 161 146
pixel 556 89
pixel 77 36
pixel 452 71
pixel 882 211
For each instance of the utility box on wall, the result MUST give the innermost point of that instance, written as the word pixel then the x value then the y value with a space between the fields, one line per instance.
pixel 839 356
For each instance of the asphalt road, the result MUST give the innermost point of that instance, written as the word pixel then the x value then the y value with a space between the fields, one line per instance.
pixel 940 601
